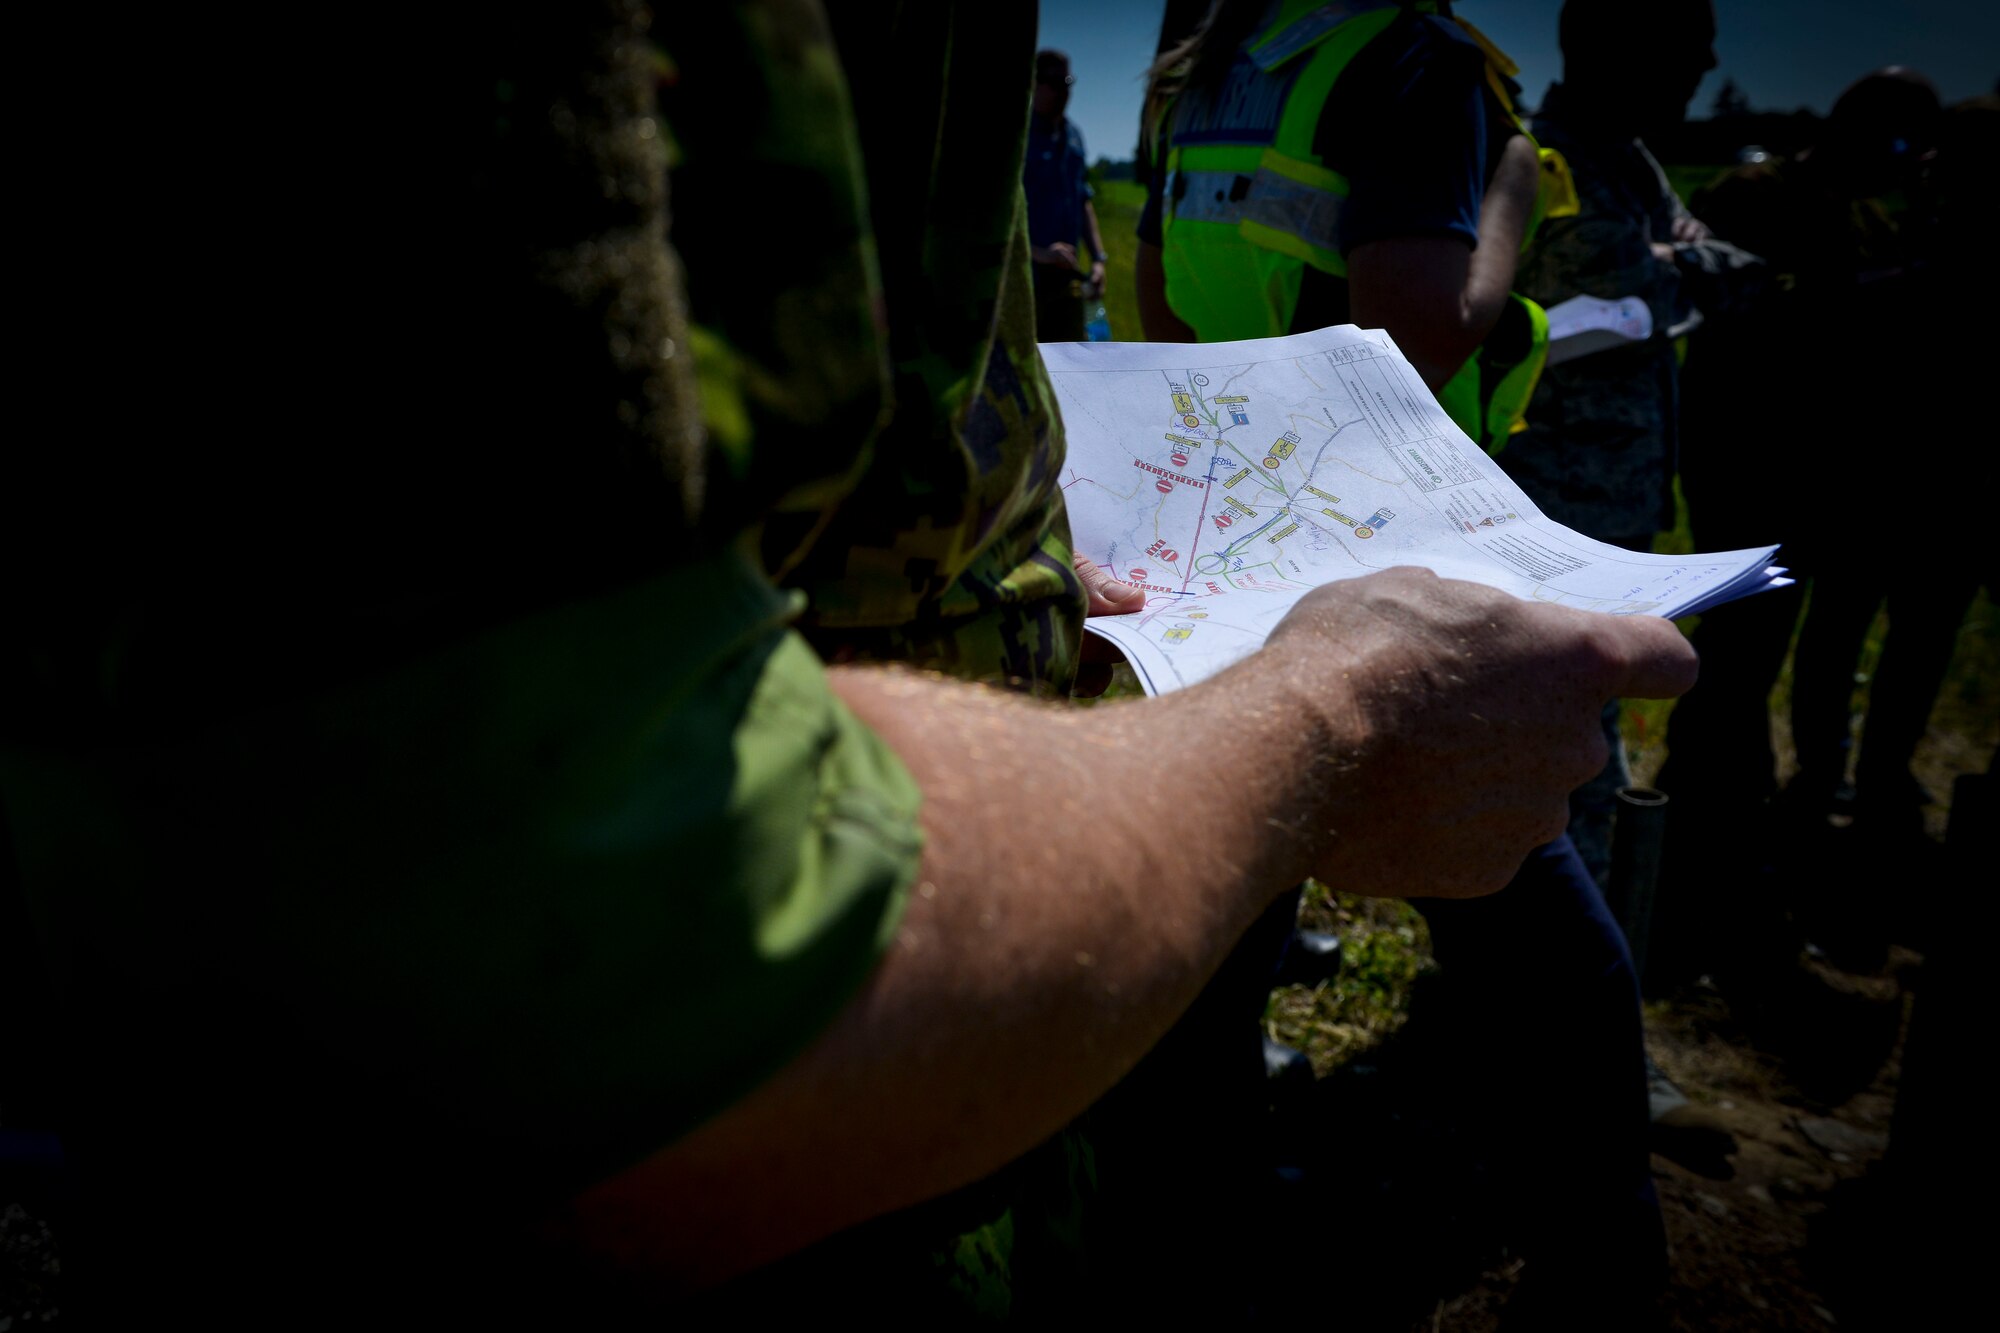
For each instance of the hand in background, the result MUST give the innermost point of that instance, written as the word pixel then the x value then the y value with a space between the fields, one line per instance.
pixel 1690 230
pixel 1062 253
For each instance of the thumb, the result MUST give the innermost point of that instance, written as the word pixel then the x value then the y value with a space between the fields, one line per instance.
pixel 1108 597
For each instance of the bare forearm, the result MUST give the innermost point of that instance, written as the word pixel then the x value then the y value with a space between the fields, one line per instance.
pixel 1090 233
pixel 1438 300
pixel 1503 226
pixel 1086 871
pixel 1071 903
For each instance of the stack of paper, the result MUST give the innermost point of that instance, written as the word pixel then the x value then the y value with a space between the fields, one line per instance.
pixel 1227 479
pixel 1586 324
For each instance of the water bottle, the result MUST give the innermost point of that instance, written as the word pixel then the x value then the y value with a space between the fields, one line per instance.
pixel 1099 327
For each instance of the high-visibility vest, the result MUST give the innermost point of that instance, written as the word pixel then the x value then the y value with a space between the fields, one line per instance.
pixel 1249 206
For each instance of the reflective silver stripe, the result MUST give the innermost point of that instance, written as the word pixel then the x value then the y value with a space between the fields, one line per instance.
pixel 1267 198
pixel 1307 29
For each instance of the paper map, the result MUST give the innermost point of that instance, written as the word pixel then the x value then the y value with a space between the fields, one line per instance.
pixel 1226 479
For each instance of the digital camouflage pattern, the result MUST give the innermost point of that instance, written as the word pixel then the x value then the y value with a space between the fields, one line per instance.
pixel 1598 453
pixel 880 414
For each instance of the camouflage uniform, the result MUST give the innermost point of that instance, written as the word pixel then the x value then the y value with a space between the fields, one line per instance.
pixel 901 472
pixel 1598 453
pixel 441 848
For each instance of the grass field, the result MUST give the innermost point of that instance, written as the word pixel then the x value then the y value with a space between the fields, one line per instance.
pixel 1118 206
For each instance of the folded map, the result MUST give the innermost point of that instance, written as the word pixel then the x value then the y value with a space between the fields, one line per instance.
pixel 1227 479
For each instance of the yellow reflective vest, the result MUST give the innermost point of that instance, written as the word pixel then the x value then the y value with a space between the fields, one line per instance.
pixel 1249 205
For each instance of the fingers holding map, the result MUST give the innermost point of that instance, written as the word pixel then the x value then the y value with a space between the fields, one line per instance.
pixel 1227 479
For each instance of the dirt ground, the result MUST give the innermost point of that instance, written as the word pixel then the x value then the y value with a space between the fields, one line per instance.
pixel 1764 1239
pixel 1742 1247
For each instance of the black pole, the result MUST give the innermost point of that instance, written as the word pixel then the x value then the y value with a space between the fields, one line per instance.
pixel 1635 866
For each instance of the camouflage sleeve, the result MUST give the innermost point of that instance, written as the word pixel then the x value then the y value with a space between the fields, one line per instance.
pixel 952 551
pixel 1719 278
pixel 788 336
pixel 577 882
pixel 1595 253
pixel 880 418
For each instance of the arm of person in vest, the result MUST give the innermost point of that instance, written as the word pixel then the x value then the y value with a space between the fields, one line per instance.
pixel 1095 240
pixel 1441 146
pixel 1437 299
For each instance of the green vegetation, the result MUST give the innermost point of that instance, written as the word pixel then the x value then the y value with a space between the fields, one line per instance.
pixel 1118 205
pixel 1385 948
pixel 1688 181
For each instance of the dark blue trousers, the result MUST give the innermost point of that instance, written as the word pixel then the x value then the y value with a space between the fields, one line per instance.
pixel 1536 1034
pixel 1529 1041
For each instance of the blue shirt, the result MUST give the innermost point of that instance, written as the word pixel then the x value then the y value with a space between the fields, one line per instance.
pixel 1053 175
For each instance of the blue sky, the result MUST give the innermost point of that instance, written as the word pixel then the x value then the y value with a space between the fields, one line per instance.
pixel 1784 54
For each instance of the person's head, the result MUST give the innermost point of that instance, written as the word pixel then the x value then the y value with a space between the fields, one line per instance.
pixel 1880 131
pixel 1643 60
pixel 1052 83
pixel 1967 170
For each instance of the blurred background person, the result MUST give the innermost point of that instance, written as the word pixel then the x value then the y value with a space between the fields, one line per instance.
pixel 1055 174
pixel 1772 422
pixel 1958 270
pixel 1391 188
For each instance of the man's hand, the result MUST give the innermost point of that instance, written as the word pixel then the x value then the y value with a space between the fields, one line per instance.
pixel 1689 230
pixel 1062 253
pixel 1108 597
pixel 1472 716
pixel 1097 277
